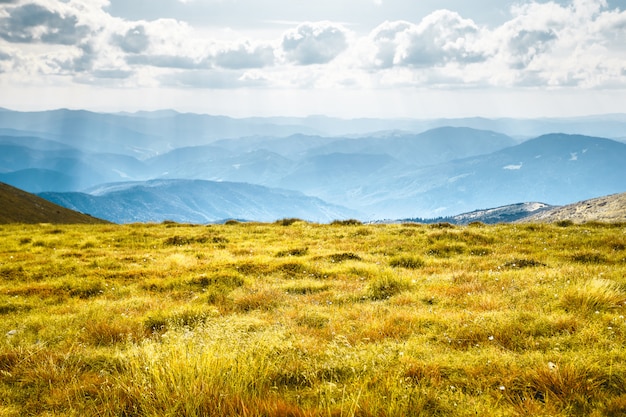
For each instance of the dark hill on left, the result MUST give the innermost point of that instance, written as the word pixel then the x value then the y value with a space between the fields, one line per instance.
pixel 17 206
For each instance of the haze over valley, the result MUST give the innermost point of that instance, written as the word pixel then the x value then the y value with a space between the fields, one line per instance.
pixel 155 166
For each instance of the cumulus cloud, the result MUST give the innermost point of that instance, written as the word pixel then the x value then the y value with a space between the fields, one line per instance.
pixel 441 37
pixel 134 40
pixel 112 73
pixel 214 79
pixel 314 43
pixel 525 45
pixel 560 45
pixel 245 56
pixel 547 44
pixel 34 23
pixel 165 61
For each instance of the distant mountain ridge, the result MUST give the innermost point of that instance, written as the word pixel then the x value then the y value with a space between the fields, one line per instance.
pixel 556 169
pixel 394 170
pixel 196 201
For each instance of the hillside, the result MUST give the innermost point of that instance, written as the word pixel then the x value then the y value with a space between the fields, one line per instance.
pixel 610 208
pixel 21 207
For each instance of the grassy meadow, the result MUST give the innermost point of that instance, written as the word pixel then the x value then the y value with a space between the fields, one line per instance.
pixel 301 319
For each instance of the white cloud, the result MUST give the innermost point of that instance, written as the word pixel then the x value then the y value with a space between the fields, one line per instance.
pixel 577 45
pixel 31 22
pixel 134 40
pixel 441 37
pixel 314 43
pixel 244 56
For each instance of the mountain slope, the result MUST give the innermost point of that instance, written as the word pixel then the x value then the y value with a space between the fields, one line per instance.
pixel 141 135
pixel 611 208
pixel 21 207
pixel 37 164
pixel 557 169
pixel 196 201
pixel 427 148
pixel 502 214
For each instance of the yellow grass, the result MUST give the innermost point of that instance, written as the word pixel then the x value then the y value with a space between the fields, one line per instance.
pixel 300 319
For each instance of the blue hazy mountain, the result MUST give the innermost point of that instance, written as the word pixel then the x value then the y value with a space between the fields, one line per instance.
pixel 196 201
pixel 556 169
pixel 431 147
pixel 140 135
pixel 34 180
pixel 36 164
pixel 394 170
pixel 146 134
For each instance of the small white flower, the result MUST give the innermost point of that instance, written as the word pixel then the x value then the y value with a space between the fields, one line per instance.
pixel 491 337
pixel 501 388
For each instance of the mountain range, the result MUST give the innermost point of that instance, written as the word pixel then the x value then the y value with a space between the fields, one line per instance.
pixel 22 207
pixel 152 166
pixel 195 201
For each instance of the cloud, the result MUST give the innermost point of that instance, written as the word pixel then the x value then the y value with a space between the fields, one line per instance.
pixel 134 40
pixel 385 44
pixel 244 56
pixel 554 45
pixel 34 23
pixel 526 45
pixel 564 44
pixel 84 62
pixel 441 37
pixel 112 73
pixel 314 43
pixel 213 79
pixel 166 61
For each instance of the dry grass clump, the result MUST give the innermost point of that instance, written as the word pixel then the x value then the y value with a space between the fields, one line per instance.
pixel 302 319
pixel 595 295
pixel 386 285
pixel 408 262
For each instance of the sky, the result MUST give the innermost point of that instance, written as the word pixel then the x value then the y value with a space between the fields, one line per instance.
pixel 344 58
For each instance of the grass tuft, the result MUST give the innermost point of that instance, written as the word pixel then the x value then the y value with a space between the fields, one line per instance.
pixel 594 295
pixel 292 252
pixel 386 286
pixel 348 222
pixel 523 263
pixel 342 257
pixel 589 258
pixel 408 262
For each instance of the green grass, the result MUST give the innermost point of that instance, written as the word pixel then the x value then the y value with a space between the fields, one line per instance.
pixel 301 319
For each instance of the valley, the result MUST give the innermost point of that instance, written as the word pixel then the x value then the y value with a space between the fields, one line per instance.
pixel 125 167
